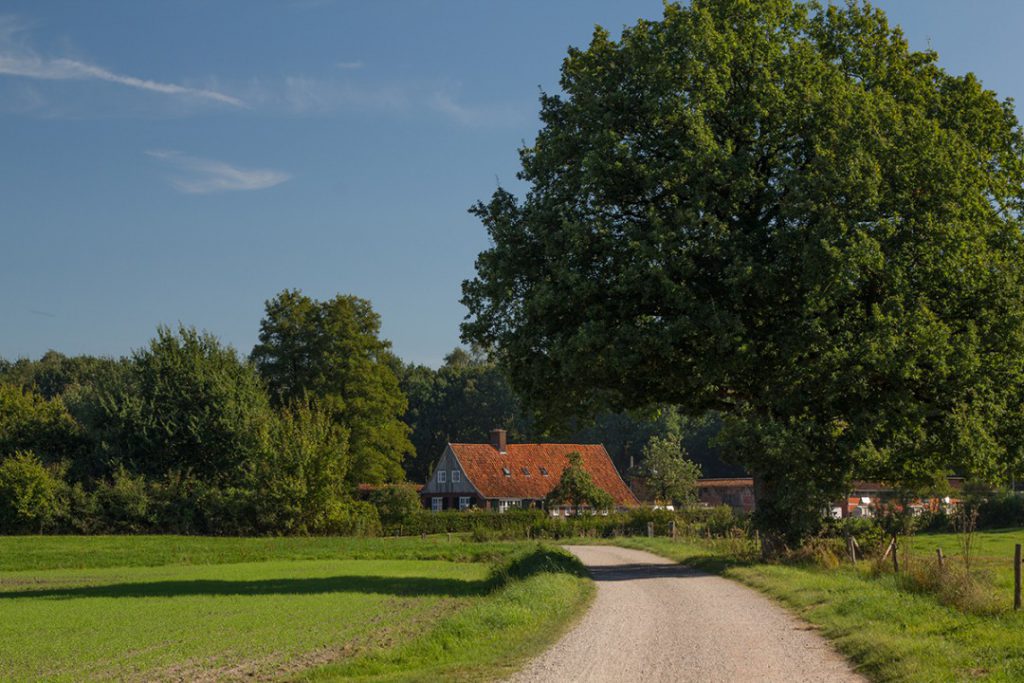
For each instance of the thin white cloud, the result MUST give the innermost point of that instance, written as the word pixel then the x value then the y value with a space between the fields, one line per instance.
pixel 473 116
pixel 18 59
pixel 206 176
pixel 350 66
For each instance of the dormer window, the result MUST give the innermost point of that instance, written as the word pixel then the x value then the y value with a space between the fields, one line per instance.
pixel 506 471
pixel 543 471
pixel 526 470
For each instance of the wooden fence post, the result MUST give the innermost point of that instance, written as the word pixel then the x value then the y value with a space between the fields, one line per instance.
pixel 942 560
pixel 650 529
pixel 1016 576
pixel 673 528
pixel 449 537
pixel 850 548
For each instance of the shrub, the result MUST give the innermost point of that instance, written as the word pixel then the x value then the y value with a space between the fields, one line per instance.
pixel 721 520
pixel 30 494
pixel 395 504
pixel 80 514
pixel 821 551
pixel 123 505
pixel 352 518
pixel 869 534
pixel 1002 510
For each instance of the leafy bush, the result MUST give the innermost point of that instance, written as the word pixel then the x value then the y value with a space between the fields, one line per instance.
pixel 821 551
pixel 353 518
pixel 1003 510
pixel 299 480
pixel 869 534
pixel 123 505
pixel 487 525
pixel 30 495
pixel 395 504
pixel 721 520
pixel 30 422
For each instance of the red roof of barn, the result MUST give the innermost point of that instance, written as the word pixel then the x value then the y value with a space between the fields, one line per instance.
pixel 483 466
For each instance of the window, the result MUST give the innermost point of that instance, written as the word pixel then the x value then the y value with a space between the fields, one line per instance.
pixel 506 471
pixel 463 502
pixel 543 471
pixel 442 476
pixel 526 470
pixel 456 476
pixel 435 503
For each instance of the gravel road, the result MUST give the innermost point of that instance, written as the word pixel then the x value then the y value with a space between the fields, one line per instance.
pixel 654 620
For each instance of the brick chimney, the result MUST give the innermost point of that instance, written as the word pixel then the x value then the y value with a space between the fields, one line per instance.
pixel 498 440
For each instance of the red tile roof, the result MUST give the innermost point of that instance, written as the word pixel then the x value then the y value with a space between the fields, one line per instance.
pixel 483 466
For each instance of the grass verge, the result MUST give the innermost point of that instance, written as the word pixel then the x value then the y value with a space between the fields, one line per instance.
pixel 890 634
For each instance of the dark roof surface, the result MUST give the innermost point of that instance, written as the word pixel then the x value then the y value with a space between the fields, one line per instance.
pixel 485 468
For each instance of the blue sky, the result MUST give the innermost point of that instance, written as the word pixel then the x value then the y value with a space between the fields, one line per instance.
pixel 184 161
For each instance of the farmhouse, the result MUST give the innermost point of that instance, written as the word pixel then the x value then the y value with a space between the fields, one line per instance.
pixel 499 475
pixel 862 500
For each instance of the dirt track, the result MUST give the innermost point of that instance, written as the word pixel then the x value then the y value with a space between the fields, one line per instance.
pixel 653 620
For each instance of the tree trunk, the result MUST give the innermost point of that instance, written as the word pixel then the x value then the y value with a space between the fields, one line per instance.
pixel 773 541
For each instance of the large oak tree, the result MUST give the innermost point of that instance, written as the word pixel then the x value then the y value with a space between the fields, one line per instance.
pixel 780 212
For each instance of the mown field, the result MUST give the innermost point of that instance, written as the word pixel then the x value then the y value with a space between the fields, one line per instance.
pixel 176 608
pixel 891 630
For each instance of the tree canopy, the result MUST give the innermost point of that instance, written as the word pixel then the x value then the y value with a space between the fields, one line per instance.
pixel 461 401
pixel 778 211
pixel 576 488
pixel 669 476
pixel 184 403
pixel 332 351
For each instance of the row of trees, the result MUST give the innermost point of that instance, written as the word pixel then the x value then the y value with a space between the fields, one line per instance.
pixel 188 435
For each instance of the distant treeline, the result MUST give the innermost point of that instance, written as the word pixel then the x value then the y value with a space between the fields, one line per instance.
pixel 186 435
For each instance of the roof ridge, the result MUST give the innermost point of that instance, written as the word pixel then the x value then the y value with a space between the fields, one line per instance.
pixel 533 443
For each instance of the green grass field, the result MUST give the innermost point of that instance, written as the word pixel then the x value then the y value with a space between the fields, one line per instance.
pixel 890 633
pixel 152 608
pixel 992 554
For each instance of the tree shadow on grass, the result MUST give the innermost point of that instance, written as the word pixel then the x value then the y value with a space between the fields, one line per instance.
pixel 404 586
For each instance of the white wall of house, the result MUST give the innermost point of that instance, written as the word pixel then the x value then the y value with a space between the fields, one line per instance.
pixel 449 478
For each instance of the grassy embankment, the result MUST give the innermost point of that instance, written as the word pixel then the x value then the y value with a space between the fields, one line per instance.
pixel 151 608
pixel 890 631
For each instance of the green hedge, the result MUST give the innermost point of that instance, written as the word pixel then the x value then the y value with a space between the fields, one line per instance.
pixel 488 524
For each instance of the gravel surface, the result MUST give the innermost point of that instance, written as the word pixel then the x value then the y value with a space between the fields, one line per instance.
pixel 654 620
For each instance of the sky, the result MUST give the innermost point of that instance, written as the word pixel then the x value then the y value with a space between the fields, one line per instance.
pixel 167 162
